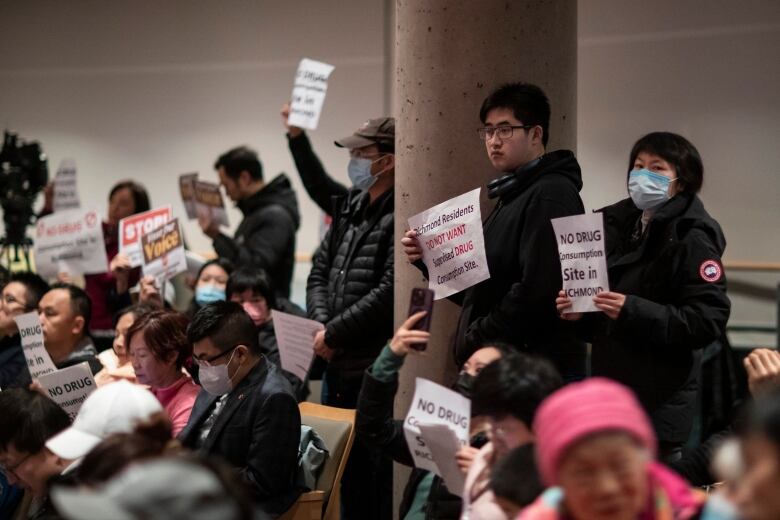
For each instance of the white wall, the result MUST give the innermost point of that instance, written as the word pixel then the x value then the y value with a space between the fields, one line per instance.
pixel 148 90
pixel 709 71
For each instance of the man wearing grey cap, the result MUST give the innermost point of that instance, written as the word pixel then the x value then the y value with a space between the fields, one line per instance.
pixel 350 287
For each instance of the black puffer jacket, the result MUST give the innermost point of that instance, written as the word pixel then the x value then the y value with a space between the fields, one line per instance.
pixel 517 303
pixel 350 287
pixel 265 239
pixel 676 305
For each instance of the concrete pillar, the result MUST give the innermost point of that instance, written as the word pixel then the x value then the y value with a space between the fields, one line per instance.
pixel 449 54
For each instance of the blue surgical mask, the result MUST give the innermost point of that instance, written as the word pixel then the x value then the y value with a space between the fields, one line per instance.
pixel 208 294
pixel 359 170
pixel 648 189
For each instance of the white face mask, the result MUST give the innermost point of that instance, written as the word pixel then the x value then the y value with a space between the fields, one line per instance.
pixel 215 379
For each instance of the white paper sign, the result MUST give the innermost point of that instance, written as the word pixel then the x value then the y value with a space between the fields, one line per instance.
pixel 132 228
pixel 435 404
pixel 66 193
pixel 38 360
pixel 308 95
pixel 187 190
pixel 583 260
pixel 70 241
pixel 295 337
pixel 453 244
pixel 163 252
pixel 443 445
pixel 69 387
pixel 209 202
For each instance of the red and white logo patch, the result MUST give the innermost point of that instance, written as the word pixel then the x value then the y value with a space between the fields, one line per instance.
pixel 710 271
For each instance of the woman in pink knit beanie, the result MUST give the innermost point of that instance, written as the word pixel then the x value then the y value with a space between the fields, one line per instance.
pixel 596 449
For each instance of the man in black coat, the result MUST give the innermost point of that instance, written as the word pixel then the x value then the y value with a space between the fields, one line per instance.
pixel 265 238
pixel 350 286
pixel 517 303
pixel 246 413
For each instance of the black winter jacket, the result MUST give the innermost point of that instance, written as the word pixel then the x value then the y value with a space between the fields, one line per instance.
pixel 517 303
pixel 350 286
pixel 676 305
pixel 265 238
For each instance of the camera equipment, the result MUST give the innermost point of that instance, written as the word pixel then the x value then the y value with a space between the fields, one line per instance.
pixel 24 172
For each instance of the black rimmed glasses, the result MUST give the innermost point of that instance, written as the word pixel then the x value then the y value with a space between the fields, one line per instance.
pixel 486 133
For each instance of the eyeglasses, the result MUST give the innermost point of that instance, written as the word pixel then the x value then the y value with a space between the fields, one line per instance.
pixel 208 361
pixel 7 470
pixel 10 300
pixel 486 133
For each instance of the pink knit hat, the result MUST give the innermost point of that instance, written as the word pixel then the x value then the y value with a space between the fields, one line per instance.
pixel 581 409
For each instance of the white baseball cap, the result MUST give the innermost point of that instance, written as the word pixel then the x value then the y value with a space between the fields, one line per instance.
pixel 115 408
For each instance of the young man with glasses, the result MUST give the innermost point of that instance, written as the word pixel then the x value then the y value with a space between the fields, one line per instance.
pixel 350 287
pixel 517 303
pixel 246 413
pixel 19 296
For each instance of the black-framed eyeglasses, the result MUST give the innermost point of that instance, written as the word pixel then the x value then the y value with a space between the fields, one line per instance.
pixel 209 361
pixel 504 131
pixel 12 469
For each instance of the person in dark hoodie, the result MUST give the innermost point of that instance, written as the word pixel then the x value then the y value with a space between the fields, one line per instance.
pixel 515 305
pixel 265 238
pixel 667 298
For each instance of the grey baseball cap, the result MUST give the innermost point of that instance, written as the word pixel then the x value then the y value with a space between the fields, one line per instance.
pixel 374 131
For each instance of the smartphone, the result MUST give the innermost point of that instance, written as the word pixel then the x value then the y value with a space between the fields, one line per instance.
pixel 421 300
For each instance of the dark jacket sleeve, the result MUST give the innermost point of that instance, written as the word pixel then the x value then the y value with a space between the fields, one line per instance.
pixel 695 466
pixel 375 424
pixel 272 458
pixel 319 185
pixel 317 283
pixel 266 242
pixel 533 297
pixel 700 312
pixel 362 318
pixel 13 363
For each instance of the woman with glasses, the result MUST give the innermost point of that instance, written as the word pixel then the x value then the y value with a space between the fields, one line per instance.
pixel 19 296
pixel 116 360
pixel 158 349
pixel 667 298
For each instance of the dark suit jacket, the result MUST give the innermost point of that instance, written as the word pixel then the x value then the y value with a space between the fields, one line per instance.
pixel 258 432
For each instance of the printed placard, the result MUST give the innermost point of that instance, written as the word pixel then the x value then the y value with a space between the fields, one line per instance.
pixel 187 190
pixel 453 244
pixel 435 404
pixel 69 387
pixel 209 202
pixel 583 260
pixel 295 337
pixel 38 360
pixel 70 242
pixel 66 193
pixel 132 228
pixel 163 252
pixel 308 94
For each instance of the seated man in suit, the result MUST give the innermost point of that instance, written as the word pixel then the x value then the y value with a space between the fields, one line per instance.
pixel 246 413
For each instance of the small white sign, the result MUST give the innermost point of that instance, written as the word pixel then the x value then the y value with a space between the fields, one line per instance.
pixel 163 252
pixel 453 244
pixel 295 337
pixel 308 95
pixel 66 193
pixel 132 228
pixel 69 387
pixel 435 404
pixel 38 360
pixel 71 242
pixel 187 190
pixel 583 260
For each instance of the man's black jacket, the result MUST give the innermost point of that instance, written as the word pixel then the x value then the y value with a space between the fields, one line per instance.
pixel 265 238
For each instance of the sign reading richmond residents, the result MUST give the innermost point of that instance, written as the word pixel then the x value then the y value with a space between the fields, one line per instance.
pixel 583 262
pixel 453 245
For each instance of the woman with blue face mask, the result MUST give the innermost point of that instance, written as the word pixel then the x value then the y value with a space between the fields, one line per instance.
pixel 667 297
pixel 210 284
